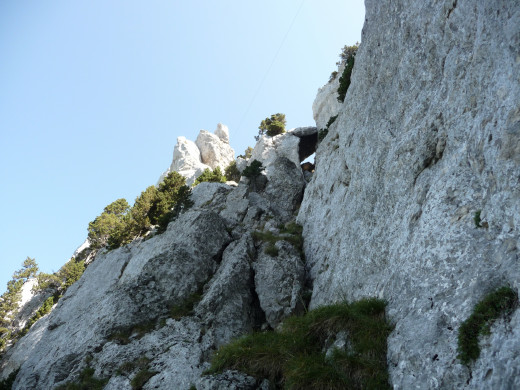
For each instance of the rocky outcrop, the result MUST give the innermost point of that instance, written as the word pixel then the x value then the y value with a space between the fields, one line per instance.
pixel 128 311
pixel 295 145
pixel 427 137
pixel 326 104
pixel 209 151
pixel 425 145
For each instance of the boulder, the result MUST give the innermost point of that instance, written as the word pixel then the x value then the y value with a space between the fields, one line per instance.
pixel 222 132
pixel 279 282
pixel 214 152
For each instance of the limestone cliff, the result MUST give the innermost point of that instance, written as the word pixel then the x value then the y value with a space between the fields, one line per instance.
pixel 415 199
pixel 428 136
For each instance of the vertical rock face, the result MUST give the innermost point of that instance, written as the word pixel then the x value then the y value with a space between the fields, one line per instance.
pixel 326 104
pixel 428 135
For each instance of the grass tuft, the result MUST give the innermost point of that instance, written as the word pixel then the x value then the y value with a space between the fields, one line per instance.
pixel 86 380
pixel 290 232
pixel 123 335
pixel 141 378
pixel 294 357
pixel 186 307
pixel 501 302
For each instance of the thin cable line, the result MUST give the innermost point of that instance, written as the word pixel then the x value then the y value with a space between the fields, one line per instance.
pixel 269 68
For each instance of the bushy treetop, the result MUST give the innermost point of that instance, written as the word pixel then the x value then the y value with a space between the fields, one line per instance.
pixel 214 176
pixel 272 126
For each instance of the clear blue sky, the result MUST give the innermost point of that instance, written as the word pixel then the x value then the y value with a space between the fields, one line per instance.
pixel 93 95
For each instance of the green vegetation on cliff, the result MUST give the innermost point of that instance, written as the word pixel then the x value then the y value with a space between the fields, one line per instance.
pixel 306 353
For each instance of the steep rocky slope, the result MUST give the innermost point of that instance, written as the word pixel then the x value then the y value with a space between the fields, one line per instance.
pixel 426 143
pixel 162 305
pixel 428 136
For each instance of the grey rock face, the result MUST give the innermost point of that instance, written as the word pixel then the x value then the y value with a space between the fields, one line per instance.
pixel 427 136
pixel 279 283
pixel 286 175
pixel 117 320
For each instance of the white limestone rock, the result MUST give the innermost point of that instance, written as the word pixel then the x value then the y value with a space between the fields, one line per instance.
pixel 268 149
pixel 186 161
pixel 222 132
pixel 232 380
pixel 303 131
pixel 214 152
pixel 241 164
pixel 209 151
pixel 326 104
pixel 428 135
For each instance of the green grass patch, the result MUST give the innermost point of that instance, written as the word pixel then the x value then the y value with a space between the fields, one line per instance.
pixel 140 379
pixel 7 383
pixel 86 380
pixel 187 307
pixel 499 303
pixel 294 357
pixel 476 219
pixel 123 335
pixel 128 367
pixel 271 250
pixel 290 232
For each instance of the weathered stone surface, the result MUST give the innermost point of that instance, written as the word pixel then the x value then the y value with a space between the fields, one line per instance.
pixel 132 287
pixel 213 151
pixel 30 302
pixel 206 193
pixel 222 132
pixel 279 283
pixel 186 161
pixel 120 288
pixel 228 308
pixel 268 149
pixel 326 104
pixel 303 131
pixel 284 187
pixel 209 151
pixel 427 136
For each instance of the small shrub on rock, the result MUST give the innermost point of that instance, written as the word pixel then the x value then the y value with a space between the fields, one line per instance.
pixel 322 133
pixel 501 302
pixel 247 153
pixel 253 170
pixel 214 176
pixel 186 307
pixel 232 172
pixel 271 250
pixel 140 379
pixel 272 126
pixel 348 56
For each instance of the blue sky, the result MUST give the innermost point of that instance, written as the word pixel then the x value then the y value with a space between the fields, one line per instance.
pixel 93 95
